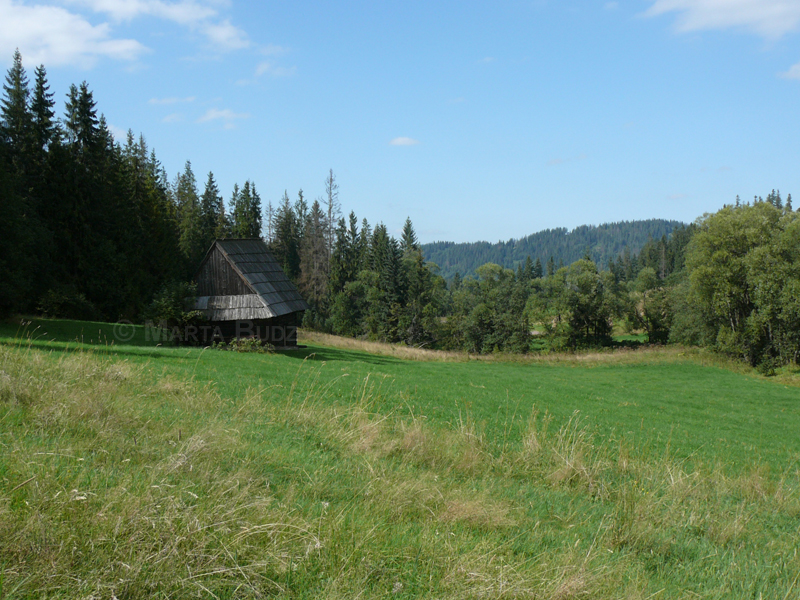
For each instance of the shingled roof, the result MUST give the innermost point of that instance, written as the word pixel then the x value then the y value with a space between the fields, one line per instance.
pixel 240 279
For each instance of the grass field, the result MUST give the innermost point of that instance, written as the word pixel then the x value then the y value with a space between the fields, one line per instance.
pixel 136 470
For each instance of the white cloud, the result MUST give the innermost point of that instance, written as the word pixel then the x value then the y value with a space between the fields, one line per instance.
pixel 404 141
pixel 199 16
pixel 273 50
pixel 611 5
pixel 120 135
pixel 54 36
pixel 768 18
pixel 792 73
pixel 268 68
pixel 184 12
pixel 226 115
pixel 225 36
pixel 172 118
pixel 172 100
pixel 486 60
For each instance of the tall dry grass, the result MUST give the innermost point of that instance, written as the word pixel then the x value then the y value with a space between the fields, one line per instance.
pixel 120 481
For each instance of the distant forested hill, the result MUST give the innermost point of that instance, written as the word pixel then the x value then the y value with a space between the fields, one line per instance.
pixel 604 242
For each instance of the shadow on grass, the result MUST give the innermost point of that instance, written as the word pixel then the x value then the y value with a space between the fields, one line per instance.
pixel 99 349
pixel 318 353
pixel 171 352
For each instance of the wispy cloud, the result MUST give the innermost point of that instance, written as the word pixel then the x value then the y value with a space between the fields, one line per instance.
pixel 198 15
pixel 768 18
pixel 227 116
pixel 611 5
pixel 273 50
pixel 172 118
pixel 225 36
pixel 404 141
pixel 486 60
pixel 172 100
pixel 54 36
pixel 120 134
pixel 560 161
pixel 184 12
pixel 268 68
pixel 792 73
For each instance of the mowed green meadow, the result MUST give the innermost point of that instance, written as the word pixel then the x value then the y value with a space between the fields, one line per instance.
pixel 139 470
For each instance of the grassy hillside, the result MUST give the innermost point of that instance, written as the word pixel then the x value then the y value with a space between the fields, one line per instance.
pixel 137 470
pixel 604 242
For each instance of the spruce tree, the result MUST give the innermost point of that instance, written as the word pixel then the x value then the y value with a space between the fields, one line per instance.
pixel 234 211
pixel 313 280
pixel 44 125
pixel 301 211
pixel 212 212
pixel 192 235
pixel 332 207
pixel 16 122
pixel 81 120
pixel 408 242
pixel 537 269
pixel 340 272
pixel 270 224
pixel 286 245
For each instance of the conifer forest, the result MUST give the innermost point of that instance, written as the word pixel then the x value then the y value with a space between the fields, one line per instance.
pixel 94 228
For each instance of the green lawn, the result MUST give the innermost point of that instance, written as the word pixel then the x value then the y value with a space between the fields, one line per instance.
pixel 649 476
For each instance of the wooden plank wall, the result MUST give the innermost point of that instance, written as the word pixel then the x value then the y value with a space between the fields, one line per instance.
pixel 217 278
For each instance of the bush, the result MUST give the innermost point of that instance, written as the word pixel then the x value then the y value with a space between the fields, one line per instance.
pixel 173 308
pixel 66 303
pixel 245 345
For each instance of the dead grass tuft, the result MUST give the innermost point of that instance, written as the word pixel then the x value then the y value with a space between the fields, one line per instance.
pixel 380 348
pixel 478 512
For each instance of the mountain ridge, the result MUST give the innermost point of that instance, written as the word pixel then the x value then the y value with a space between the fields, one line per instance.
pixel 603 242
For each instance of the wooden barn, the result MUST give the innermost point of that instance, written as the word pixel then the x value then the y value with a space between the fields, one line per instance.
pixel 244 293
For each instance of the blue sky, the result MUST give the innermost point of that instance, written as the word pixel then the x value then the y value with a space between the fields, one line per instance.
pixel 480 121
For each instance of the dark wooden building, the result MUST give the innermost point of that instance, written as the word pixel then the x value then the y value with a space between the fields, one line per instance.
pixel 244 293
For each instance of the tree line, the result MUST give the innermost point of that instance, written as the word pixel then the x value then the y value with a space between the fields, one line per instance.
pixel 601 242
pixel 93 228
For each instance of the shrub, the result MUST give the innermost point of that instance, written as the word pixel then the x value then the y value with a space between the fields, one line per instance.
pixel 66 303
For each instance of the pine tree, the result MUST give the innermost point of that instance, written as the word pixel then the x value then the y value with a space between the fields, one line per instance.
pixel 81 121
pixel 212 212
pixel 16 122
pixel 313 280
pixel 364 239
pixel 255 214
pixel 408 242
pixel 246 212
pixel 301 212
pixel 537 269
pixel 527 272
pixel 234 211
pixel 332 207
pixel 45 128
pixel 286 245
pixel 270 213
pixel 192 236
pixel 340 272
